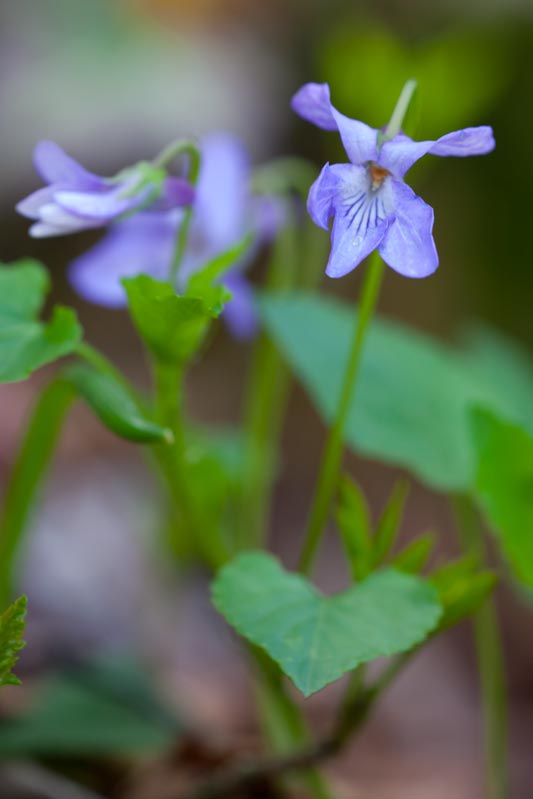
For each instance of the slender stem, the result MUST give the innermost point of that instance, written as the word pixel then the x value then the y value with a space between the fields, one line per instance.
pixel 266 400
pixel 351 718
pixel 331 461
pixel 26 475
pixel 164 160
pixel 283 722
pixel 194 531
pixel 184 229
pixel 490 661
pixel 400 110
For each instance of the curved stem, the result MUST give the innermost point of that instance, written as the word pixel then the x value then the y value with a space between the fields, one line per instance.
pixel 351 718
pixel 490 660
pixel 329 472
pixel 164 160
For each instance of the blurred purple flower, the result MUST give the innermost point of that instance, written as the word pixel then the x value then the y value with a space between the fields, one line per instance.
pixel 371 205
pixel 224 212
pixel 76 199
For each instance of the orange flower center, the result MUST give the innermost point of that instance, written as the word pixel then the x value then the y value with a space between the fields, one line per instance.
pixel 377 175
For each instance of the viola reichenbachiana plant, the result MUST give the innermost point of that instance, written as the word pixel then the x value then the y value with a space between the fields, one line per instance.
pixel 180 234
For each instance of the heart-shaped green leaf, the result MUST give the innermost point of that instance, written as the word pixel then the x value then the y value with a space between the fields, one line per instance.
pixel 314 638
pixel 411 406
pixel 25 342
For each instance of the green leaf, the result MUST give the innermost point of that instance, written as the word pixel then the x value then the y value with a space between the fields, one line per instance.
pixel 12 624
pixel 415 555
pixel 25 342
pixel 99 710
pixel 353 520
pixel 413 394
pixel 507 370
pixel 388 526
pixel 504 487
pixel 203 283
pixel 314 638
pixel 115 405
pixel 462 589
pixel 173 327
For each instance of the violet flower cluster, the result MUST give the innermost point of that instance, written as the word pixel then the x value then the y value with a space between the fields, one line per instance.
pixel 146 219
pixel 371 205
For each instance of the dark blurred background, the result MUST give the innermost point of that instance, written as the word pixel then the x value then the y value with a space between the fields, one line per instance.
pixel 113 82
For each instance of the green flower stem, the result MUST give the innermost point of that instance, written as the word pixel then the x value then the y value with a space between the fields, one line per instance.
pixel 352 717
pixel 164 160
pixel 298 259
pixel 400 110
pixel 266 401
pixel 30 465
pixel 329 473
pixel 190 526
pixel 283 722
pixel 490 660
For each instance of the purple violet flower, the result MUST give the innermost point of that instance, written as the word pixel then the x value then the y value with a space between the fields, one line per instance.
pixel 76 199
pixel 371 206
pixel 224 212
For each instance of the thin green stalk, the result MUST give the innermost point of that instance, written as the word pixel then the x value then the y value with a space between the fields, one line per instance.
pixel 196 534
pixel 283 721
pixel 297 260
pixel 329 472
pixel 266 401
pixel 352 717
pixel 26 475
pixel 490 661
pixel 184 229
pixel 164 160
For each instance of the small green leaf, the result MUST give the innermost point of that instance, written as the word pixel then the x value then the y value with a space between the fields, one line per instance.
pixel 388 526
pixel 314 638
pixel 415 555
pixel 115 405
pixel 203 283
pixel 462 589
pixel 353 520
pixel 25 342
pixel 173 327
pixel 12 624
pixel 504 487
